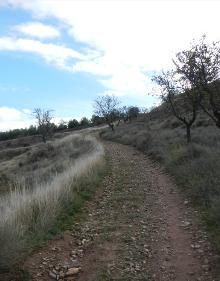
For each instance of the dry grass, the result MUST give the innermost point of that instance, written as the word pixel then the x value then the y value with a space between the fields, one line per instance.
pixel 30 211
pixel 195 167
pixel 37 162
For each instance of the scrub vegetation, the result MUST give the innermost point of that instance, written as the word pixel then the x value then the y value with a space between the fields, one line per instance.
pixel 183 132
pixel 48 183
pixel 195 166
pixel 43 183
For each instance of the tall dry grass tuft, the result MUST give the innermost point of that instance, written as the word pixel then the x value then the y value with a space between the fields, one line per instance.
pixel 28 213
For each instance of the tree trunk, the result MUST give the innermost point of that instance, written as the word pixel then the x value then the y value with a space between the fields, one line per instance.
pixel 44 139
pixel 118 122
pixel 217 116
pixel 188 133
pixel 112 127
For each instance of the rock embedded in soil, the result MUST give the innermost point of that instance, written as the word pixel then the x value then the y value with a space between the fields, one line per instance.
pixel 72 271
pixel 53 275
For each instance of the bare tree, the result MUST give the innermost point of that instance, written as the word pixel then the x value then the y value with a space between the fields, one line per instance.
pixel 183 101
pixel 200 67
pixel 106 107
pixel 43 118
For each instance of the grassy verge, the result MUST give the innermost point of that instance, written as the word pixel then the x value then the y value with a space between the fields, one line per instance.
pixel 32 215
pixel 195 167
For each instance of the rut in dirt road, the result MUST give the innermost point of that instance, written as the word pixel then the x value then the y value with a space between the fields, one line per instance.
pixel 136 228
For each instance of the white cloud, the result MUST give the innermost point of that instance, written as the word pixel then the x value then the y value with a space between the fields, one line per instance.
pixel 38 30
pixel 128 80
pixel 52 53
pixel 12 118
pixel 129 38
pixel 26 111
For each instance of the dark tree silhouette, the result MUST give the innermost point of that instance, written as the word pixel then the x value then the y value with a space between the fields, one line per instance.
pixel 43 118
pixel 183 101
pixel 106 107
pixel 73 124
pixel 133 112
pixel 84 122
pixel 200 67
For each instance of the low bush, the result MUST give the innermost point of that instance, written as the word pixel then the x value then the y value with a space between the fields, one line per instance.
pixel 143 140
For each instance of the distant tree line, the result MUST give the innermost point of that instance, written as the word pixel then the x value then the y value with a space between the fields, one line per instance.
pixel 13 134
pixel 46 128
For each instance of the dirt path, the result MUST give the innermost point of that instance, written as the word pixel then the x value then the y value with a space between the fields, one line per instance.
pixel 136 228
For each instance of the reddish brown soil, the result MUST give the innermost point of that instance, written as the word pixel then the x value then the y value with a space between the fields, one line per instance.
pixel 137 227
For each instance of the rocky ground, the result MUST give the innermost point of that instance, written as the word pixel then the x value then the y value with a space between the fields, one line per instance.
pixel 137 227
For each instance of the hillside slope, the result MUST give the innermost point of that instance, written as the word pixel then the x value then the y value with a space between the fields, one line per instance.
pixel 48 184
pixel 138 227
pixel 195 166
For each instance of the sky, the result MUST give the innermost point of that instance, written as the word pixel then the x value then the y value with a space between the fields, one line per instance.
pixel 63 54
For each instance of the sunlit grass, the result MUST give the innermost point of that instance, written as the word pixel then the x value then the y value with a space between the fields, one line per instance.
pixel 28 213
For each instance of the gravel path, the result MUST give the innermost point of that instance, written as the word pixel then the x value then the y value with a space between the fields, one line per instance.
pixel 138 227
